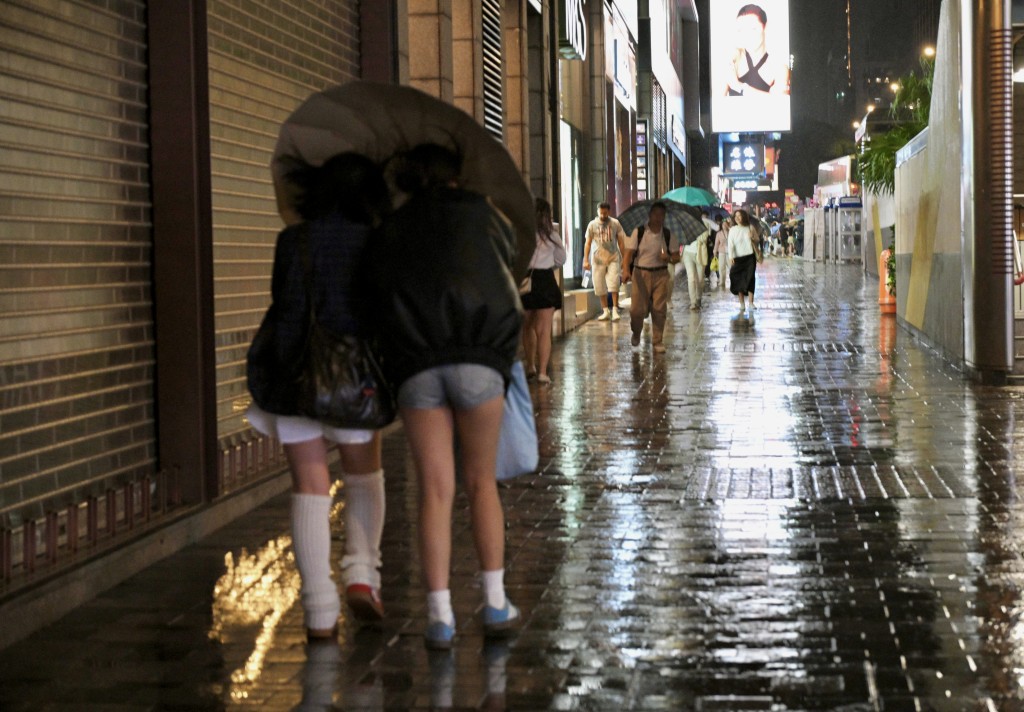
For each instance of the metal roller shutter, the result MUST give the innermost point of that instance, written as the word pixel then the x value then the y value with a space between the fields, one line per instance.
pixel 266 56
pixel 494 92
pixel 76 350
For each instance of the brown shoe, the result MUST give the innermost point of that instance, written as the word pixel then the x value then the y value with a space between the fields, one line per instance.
pixel 365 603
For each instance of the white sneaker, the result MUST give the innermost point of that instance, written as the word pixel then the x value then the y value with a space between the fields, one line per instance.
pixel 605 315
pixel 615 315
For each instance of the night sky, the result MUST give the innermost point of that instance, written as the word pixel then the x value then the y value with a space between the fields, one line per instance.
pixel 882 35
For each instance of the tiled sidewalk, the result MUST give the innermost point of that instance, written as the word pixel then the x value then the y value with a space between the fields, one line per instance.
pixel 801 511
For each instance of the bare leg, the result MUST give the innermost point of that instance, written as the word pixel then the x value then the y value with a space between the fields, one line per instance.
pixel 531 345
pixel 362 458
pixel 541 327
pixel 478 434
pixel 308 462
pixel 430 433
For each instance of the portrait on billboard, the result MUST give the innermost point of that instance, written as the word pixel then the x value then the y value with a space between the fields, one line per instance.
pixel 750 73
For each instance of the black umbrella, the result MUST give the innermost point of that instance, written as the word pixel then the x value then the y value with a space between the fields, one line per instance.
pixel 679 219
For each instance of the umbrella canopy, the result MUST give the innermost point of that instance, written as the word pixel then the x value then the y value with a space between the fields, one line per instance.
pixel 691 196
pixel 679 219
pixel 382 120
pixel 718 213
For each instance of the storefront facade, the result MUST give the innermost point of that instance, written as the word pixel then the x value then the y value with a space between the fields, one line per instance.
pixel 138 238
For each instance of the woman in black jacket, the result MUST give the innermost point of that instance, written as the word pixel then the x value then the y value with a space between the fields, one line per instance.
pixel 323 258
pixel 448 318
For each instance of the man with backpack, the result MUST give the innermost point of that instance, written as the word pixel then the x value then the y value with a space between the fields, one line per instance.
pixel 649 251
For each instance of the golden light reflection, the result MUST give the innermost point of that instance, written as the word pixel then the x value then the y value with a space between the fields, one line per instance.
pixel 257 589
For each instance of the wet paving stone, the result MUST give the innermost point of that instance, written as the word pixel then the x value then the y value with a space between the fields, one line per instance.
pixel 804 510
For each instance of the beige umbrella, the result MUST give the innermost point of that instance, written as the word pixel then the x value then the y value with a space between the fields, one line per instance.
pixel 380 120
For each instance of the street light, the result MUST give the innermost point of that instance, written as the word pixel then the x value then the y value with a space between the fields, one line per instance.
pixel 929 51
pixel 871 107
pixel 895 86
pixel 856 124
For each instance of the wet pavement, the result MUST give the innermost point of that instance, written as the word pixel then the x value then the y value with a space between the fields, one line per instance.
pixel 806 510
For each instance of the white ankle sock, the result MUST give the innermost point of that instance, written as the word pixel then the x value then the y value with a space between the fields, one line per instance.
pixel 439 607
pixel 364 524
pixel 494 587
pixel 311 541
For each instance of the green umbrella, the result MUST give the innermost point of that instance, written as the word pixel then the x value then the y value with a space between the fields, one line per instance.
pixel 691 196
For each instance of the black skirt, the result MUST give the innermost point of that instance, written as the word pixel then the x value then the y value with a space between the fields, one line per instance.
pixel 544 292
pixel 741 275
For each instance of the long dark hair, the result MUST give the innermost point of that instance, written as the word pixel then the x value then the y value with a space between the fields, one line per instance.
pixel 745 222
pixel 545 225
pixel 427 166
pixel 347 183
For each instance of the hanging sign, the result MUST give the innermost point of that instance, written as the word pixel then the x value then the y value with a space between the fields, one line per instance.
pixel 572 30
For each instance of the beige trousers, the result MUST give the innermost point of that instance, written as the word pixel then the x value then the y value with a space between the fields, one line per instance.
pixel 649 296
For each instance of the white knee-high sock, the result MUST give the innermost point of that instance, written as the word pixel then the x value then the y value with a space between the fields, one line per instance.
pixel 364 525
pixel 311 540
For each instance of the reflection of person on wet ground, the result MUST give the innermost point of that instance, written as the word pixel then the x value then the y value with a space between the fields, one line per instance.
pixel 752 73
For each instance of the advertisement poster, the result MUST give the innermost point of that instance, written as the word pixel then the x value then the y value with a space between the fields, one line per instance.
pixel 750 68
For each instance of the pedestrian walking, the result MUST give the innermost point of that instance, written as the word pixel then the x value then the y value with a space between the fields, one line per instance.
pixel 744 254
pixel 320 259
pixel 721 251
pixel 604 247
pixel 646 265
pixel 544 295
pixel 449 324
pixel 695 259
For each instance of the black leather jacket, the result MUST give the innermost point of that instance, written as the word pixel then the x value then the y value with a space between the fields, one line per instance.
pixel 445 294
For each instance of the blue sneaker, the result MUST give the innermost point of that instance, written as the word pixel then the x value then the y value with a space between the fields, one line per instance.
pixel 439 636
pixel 500 621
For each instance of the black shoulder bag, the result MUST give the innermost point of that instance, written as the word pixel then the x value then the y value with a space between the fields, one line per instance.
pixel 341 382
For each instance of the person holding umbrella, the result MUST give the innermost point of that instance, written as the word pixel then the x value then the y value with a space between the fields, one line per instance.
pixel 318 259
pixel 443 273
pixel 449 326
pixel 646 265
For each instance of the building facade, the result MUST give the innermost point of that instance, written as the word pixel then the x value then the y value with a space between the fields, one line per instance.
pixel 138 227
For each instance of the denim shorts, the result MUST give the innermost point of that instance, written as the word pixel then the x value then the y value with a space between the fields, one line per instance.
pixel 463 386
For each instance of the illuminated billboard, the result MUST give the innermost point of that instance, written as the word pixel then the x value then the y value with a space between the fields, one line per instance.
pixel 750 71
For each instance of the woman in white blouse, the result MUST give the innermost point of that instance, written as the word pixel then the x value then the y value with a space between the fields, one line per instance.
pixel 743 258
pixel 544 297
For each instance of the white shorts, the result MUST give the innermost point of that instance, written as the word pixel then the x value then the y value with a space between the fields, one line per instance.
pixel 606 278
pixel 289 429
